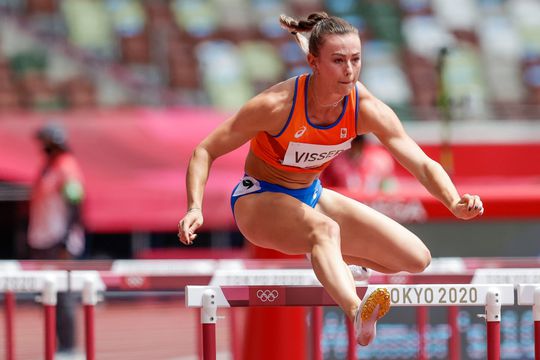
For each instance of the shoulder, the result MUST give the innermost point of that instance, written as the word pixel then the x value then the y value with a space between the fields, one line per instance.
pixel 368 104
pixel 375 115
pixel 68 165
pixel 274 99
pixel 271 106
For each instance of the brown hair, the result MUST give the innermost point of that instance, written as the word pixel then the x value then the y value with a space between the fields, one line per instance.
pixel 320 24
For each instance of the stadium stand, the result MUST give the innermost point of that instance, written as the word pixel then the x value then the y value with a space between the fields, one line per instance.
pixel 82 53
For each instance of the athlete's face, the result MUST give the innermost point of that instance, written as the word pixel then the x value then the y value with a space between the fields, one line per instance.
pixel 338 64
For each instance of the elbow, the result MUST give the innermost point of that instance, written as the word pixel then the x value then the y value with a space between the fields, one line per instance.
pixel 428 171
pixel 201 153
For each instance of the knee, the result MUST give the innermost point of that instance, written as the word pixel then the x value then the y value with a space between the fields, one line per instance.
pixel 325 232
pixel 420 261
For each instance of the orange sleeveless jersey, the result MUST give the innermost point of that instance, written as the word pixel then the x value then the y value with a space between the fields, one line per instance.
pixel 302 146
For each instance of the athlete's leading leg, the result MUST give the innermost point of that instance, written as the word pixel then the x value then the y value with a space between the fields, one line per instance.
pixel 384 244
pixel 371 239
pixel 281 222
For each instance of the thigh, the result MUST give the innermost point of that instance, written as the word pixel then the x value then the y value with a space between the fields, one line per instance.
pixel 368 234
pixel 278 221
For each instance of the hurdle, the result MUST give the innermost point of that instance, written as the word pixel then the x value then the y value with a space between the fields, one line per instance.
pixel 44 282
pixel 48 284
pixel 529 294
pixel 210 298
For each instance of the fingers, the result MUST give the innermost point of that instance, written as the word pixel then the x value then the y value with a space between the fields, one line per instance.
pixel 186 234
pixel 470 201
pixel 180 233
pixel 474 204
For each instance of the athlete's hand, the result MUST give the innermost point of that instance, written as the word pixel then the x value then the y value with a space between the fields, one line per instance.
pixel 189 224
pixel 468 207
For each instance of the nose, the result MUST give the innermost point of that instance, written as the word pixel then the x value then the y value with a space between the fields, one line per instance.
pixel 348 68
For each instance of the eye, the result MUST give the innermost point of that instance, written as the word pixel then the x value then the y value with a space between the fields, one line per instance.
pixel 338 61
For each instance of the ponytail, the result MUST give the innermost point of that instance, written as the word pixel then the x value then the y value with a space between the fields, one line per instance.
pixel 318 24
pixel 296 27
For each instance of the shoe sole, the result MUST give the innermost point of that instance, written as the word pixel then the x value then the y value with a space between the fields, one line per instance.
pixel 381 297
pixel 372 309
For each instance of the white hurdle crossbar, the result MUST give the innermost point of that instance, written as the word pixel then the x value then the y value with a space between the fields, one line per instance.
pixel 210 298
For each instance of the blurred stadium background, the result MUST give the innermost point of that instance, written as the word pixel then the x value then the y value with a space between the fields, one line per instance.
pixel 138 83
pixel 59 55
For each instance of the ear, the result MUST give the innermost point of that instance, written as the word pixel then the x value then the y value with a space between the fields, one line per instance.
pixel 312 61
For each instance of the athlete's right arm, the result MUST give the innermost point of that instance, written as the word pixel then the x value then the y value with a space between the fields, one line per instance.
pixel 265 112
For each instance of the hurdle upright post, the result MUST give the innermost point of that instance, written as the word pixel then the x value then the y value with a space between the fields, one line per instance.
pixel 536 319
pixel 454 341
pixel 422 318
pixel 493 323
pixel 89 299
pixel 208 321
pixel 316 328
pixel 49 299
pixel 9 307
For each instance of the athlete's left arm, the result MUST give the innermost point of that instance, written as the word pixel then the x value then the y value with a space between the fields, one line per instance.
pixel 379 119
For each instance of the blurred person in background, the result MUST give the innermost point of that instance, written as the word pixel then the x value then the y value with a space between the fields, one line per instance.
pixel 55 229
pixel 364 169
pixel 296 128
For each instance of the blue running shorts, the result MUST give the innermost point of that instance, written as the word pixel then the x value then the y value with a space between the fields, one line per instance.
pixel 249 185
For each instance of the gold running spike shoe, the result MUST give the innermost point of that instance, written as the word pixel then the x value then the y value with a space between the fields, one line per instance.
pixel 372 308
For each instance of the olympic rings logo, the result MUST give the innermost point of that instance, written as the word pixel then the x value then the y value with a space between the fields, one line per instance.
pixel 267 295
